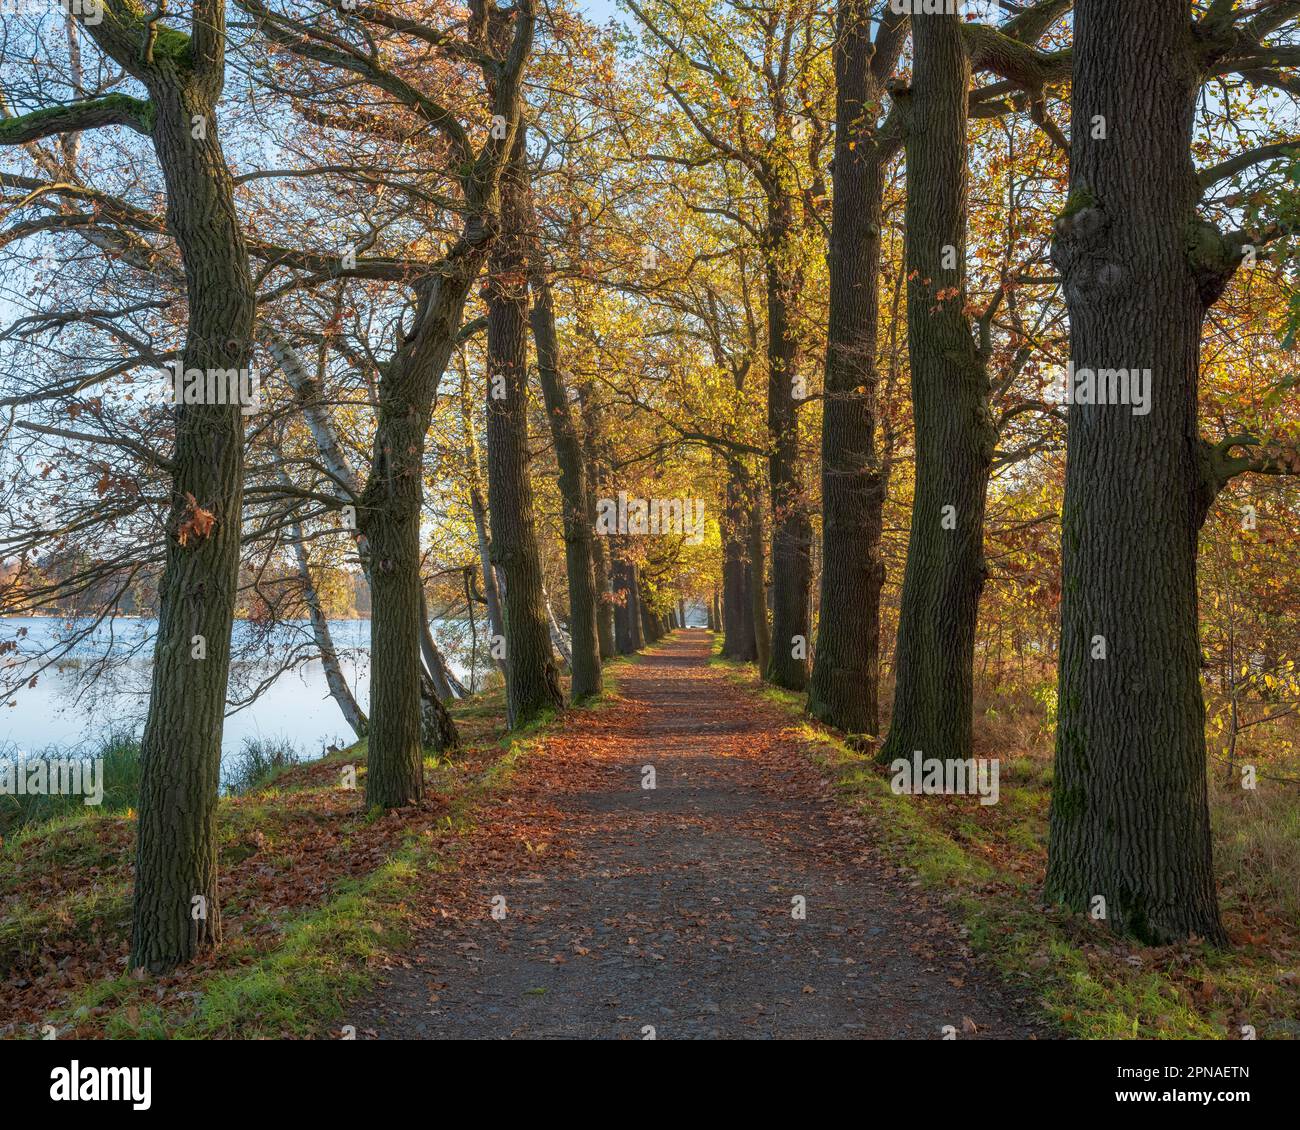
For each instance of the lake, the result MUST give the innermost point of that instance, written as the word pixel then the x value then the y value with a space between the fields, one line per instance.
pixel 62 712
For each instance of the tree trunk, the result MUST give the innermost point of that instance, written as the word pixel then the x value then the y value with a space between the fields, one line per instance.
pixel 757 589
pixel 176 911
pixel 844 689
pixel 389 520
pixel 954 431
pixel 1129 817
pixel 443 682
pixel 578 527
pixel 532 685
pixel 626 616
pixel 738 640
pixel 637 631
pixel 591 432
pixel 787 664
pixel 604 602
pixel 650 627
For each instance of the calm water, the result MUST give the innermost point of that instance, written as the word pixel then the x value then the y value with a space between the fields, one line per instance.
pixel 61 711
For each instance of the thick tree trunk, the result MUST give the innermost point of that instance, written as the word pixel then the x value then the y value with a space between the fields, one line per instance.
pixel 579 530
pixel 737 603
pixel 604 596
pixel 1129 819
pixel 844 689
pixel 758 592
pixel 176 911
pixel 600 553
pixel 436 682
pixel 532 685
pixel 651 630
pixel 787 663
pixel 624 607
pixel 390 521
pixel 954 431
pixel 628 622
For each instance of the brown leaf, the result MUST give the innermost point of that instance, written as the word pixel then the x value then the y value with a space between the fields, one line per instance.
pixel 198 523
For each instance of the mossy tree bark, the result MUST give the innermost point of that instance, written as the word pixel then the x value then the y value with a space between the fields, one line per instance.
pixel 1129 818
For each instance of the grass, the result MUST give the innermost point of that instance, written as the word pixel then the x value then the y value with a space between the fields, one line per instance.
pixel 117 767
pixel 987 864
pixel 258 762
pixel 317 894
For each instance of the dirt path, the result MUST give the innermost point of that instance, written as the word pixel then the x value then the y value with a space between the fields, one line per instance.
pixel 671 907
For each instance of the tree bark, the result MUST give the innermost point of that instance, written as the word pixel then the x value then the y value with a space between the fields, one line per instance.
pixel 763 636
pixel 738 640
pixel 176 910
pixel 389 519
pixel 436 682
pixel 579 531
pixel 954 431
pixel 623 608
pixel 532 685
pixel 1129 818
pixel 787 664
pixel 591 430
pixel 844 688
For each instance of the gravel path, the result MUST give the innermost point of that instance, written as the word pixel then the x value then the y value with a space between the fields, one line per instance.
pixel 628 909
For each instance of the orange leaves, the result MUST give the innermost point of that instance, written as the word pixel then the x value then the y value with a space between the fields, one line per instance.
pixel 196 523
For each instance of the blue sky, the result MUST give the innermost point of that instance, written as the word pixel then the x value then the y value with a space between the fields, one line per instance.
pixel 599 11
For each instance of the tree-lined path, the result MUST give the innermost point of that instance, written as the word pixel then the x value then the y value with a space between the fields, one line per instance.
pixel 671 907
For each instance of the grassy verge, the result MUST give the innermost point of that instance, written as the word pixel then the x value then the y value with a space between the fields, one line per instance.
pixel 316 895
pixel 987 863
